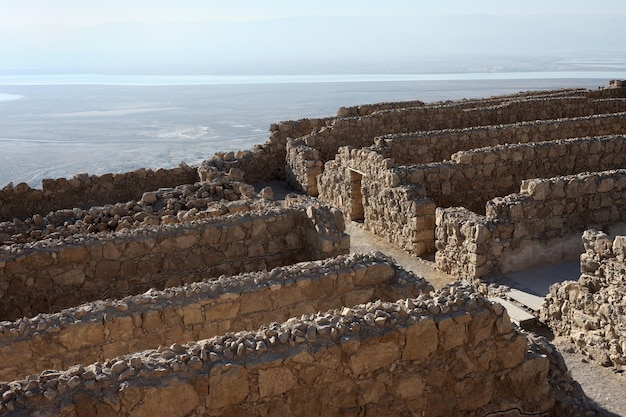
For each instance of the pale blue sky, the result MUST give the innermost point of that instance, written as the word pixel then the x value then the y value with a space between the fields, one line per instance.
pixel 208 36
pixel 81 12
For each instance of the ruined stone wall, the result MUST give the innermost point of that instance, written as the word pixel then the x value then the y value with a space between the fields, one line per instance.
pixel 363 185
pixel 591 312
pixel 105 329
pixel 365 109
pixel 267 161
pixel 454 354
pixel 304 164
pixel 399 202
pixel 51 274
pixel 84 191
pixel 538 226
pixel 439 145
pixel 218 196
pixel 475 176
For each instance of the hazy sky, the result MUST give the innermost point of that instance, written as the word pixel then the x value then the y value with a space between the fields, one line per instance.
pixel 81 12
pixel 321 35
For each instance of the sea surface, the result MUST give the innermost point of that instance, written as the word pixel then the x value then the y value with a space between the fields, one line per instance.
pixel 59 125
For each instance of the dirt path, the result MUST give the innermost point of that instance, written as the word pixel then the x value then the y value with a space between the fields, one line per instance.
pixel 362 241
pixel 604 386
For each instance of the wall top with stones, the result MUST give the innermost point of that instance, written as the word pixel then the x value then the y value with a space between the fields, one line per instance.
pixel 527 151
pixel 570 186
pixel 449 314
pixel 390 138
pixel 223 287
pixel 267 211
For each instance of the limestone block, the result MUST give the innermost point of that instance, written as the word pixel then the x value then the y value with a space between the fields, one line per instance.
pixel 151 320
pixel 110 251
pixel 619 248
pixel 222 310
pixel 286 296
pixel 409 387
pixel 254 301
pixel 530 377
pixel 74 276
pixel 73 255
pixel 186 241
pixel 176 398
pixel 107 270
pixel 112 350
pixel 481 327
pixel 82 334
pixel 452 333
pixel 192 314
pixel 375 274
pixel 421 340
pixel 356 297
pixel 275 381
pixel 510 353
pixel 372 355
pixel 473 393
pixel 228 385
pixel 120 328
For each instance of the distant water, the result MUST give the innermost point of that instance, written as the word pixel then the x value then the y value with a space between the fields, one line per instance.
pixel 59 125
pixel 7 97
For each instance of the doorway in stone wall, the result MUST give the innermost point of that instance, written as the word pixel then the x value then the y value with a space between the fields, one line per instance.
pixel 356 196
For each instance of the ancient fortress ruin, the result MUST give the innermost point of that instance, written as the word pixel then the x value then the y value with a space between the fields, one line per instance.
pixel 196 291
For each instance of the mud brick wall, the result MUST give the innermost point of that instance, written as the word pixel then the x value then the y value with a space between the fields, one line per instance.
pixel 590 311
pixel 439 145
pixel 105 329
pixel 454 354
pixel 84 191
pixel 48 275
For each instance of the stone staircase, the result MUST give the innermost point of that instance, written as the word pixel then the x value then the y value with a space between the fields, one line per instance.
pixel 519 292
pixel 522 307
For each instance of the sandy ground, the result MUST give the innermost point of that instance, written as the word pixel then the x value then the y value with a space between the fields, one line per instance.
pixel 604 386
pixel 362 241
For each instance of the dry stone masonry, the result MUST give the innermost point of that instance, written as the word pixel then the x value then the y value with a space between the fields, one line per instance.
pixel 592 310
pixel 451 354
pixel 105 329
pixel 188 292
pixel 540 225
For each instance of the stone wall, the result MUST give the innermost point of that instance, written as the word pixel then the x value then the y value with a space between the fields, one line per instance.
pixel 452 354
pixel 267 161
pixel 475 176
pixel 362 181
pixel 399 203
pixel 50 274
pixel 105 329
pixel 361 131
pixel 439 145
pixel 538 226
pixel 214 197
pixel 591 311
pixel 85 191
